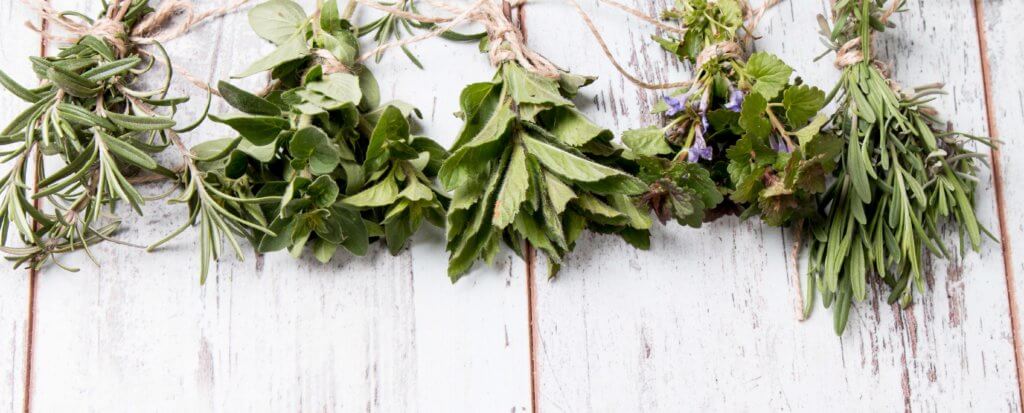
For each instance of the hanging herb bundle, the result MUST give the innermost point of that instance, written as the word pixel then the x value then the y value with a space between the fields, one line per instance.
pixel 528 167
pixel 902 174
pixel 742 131
pixel 319 162
pixel 86 134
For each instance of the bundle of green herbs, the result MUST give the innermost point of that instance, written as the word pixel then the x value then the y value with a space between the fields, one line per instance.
pixel 87 133
pixel 318 162
pixel 741 137
pixel 528 168
pixel 901 175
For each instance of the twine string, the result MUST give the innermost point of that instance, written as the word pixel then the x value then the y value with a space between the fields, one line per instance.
pixel 155 27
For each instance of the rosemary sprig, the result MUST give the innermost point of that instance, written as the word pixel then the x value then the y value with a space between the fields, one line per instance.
pixel 87 118
pixel 903 173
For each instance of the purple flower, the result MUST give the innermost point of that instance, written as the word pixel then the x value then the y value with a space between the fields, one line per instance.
pixel 676 105
pixel 736 97
pixel 699 150
pixel 778 144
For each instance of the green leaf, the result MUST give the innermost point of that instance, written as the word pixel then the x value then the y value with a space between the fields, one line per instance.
pixel 277 20
pixel 17 89
pixel 312 144
pixel 258 130
pixel 293 48
pixel 72 83
pixel 210 151
pixel 416 191
pixel 245 101
pixel 567 165
pixel 82 116
pixel 383 193
pixel 260 153
pixel 111 69
pixel 801 103
pixel 471 159
pixel 343 88
pixel 369 88
pixel 140 123
pixel 127 152
pixel 324 250
pixel 324 191
pixel 513 189
pixel 330 18
pixel 392 126
pixel 559 193
pixel 752 116
pixel 574 129
pixel 769 74
pixel 528 88
pixel 648 142
pixel 283 228
pixel 807 133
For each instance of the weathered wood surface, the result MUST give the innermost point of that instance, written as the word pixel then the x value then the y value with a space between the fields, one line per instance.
pixel 16 42
pixel 1004 32
pixel 380 332
pixel 703 320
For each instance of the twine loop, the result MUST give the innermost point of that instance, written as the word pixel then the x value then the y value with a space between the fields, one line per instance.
pixel 849 54
pixel 720 49
pixel 329 63
pixel 155 27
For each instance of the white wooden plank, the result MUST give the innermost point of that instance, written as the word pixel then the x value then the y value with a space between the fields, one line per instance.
pixel 706 318
pixel 16 42
pixel 1005 53
pixel 374 333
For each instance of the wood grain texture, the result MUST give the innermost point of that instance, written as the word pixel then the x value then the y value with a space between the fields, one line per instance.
pixel 1001 29
pixel 376 333
pixel 705 318
pixel 16 42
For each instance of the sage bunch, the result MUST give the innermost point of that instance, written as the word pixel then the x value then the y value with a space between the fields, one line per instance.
pixel 87 133
pixel 742 137
pixel 318 161
pixel 902 174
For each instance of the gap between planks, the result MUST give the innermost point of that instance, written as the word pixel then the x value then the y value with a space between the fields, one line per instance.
pixel 33 272
pixel 997 178
pixel 531 260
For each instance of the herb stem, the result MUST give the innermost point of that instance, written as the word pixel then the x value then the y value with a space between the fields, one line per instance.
pixel 350 9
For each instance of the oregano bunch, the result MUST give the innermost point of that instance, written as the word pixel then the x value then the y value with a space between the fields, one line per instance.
pixel 742 131
pixel 528 167
pixel 902 174
pixel 87 133
pixel 318 161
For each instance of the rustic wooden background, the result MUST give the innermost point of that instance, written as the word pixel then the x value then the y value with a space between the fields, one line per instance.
pixel 705 320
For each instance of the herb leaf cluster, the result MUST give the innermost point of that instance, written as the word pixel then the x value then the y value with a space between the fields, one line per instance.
pixel 749 134
pixel 319 162
pixel 529 167
pixel 902 174
pixel 86 134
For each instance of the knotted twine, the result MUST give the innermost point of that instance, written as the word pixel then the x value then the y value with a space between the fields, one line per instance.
pixel 154 27
pixel 850 53
pixel 506 41
pixel 728 48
